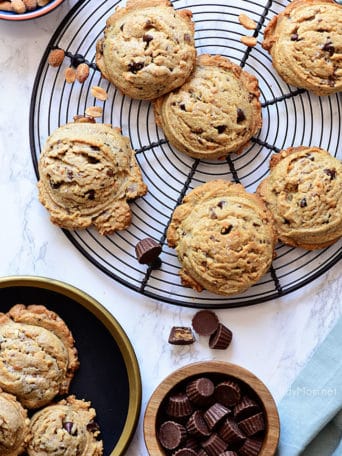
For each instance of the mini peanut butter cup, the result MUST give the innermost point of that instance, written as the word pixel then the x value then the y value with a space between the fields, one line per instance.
pixel 214 445
pixel 215 414
pixel 171 435
pixel 201 391
pixel 221 338
pixel 179 406
pixel 181 335
pixel 192 443
pixel 228 453
pixel 227 393
pixel 205 322
pixel 245 408
pixel 253 424
pixel 197 426
pixel 185 452
pixel 250 447
pixel 230 432
pixel 147 250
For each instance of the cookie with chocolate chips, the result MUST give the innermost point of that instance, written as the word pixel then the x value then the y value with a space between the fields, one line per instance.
pixel 305 42
pixel 148 48
pixel 65 429
pixel 224 238
pixel 304 193
pixel 214 113
pixel 88 172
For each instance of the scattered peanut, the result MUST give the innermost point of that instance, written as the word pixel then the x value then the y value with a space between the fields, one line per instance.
pixel 70 75
pixel 82 72
pixel 56 57
pixel 248 40
pixel 84 119
pixel 94 111
pixel 247 22
pixel 99 93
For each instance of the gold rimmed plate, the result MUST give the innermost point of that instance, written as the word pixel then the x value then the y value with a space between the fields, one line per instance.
pixel 109 374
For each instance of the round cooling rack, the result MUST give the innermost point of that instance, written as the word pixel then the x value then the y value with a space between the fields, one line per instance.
pixel 291 117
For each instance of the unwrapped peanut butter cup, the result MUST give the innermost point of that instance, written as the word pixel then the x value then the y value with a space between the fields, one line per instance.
pixel 171 435
pixel 197 426
pixel 214 445
pixel 250 447
pixel 228 393
pixel 230 432
pixel 179 406
pixel 215 414
pixel 201 391
pixel 221 338
pixel 245 408
pixel 205 322
pixel 253 424
pixel 147 250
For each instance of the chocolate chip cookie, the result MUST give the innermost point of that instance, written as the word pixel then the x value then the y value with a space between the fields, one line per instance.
pixel 88 172
pixel 65 429
pixel 305 42
pixel 224 238
pixel 14 426
pixel 214 113
pixel 148 48
pixel 304 193
pixel 38 357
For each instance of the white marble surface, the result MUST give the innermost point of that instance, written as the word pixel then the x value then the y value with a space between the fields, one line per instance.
pixel 273 339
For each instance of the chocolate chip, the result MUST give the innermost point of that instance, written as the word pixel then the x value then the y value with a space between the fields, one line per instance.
pixel 212 213
pixel 182 106
pixel 294 37
pixel 76 60
pixel 55 185
pixel 329 48
pixel 240 115
pixel 93 160
pixel 135 67
pixel 220 128
pixel 92 426
pixel 147 250
pixel 122 27
pixel 90 194
pixel 303 203
pixel 226 229
pixel 67 425
pixel 95 148
pixel 147 38
pixel 181 335
pixel 331 173
pixel 70 174
pixel 187 37
pixel 221 204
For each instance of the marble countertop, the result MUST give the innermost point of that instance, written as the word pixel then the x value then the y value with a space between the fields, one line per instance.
pixel 273 339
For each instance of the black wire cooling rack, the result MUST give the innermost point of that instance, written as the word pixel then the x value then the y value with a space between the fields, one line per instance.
pixel 290 117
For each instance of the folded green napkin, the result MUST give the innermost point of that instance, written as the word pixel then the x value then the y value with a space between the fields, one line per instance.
pixel 311 411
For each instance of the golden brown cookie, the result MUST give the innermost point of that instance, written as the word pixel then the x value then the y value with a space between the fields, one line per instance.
pixel 87 174
pixel 14 426
pixel 304 193
pixel 38 357
pixel 65 429
pixel 305 42
pixel 148 48
pixel 214 113
pixel 224 238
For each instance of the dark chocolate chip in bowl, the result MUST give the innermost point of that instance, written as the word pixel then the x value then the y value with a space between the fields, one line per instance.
pixel 214 445
pixel 179 406
pixel 171 435
pixel 147 250
pixel 253 424
pixel 181 335
pixel 197 426
pixel 245 408
pixel 228 393
pixel 221 338
pixel 230 432
pixel 201 391
pixel 215 414
pixel 205 322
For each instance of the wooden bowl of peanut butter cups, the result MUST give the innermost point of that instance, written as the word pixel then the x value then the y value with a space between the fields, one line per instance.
pixel 211 408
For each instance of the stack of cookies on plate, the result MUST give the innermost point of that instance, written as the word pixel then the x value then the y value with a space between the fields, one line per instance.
pixel 38 360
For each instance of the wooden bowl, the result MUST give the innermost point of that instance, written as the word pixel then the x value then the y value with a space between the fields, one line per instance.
pixel 34 14
pixel 211 369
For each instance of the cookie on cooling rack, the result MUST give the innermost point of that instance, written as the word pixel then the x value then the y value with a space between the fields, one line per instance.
pixel 88 171
pixel 214 113
pixel 65 429
pixel 38 357
pixel 305 42
pixel 14 426
pixel 148 48
pixel 224 238
pixel 304 193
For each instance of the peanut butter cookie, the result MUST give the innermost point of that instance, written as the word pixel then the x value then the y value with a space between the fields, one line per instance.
pixel 88 171
pixel 305 42
pixel 14 426
pixel 214 113
pixel 65 429
pixel 148 48
pixel 304 193
pixel 224 238
pixel 38 358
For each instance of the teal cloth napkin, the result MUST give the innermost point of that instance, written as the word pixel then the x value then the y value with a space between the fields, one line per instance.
pixel 311 411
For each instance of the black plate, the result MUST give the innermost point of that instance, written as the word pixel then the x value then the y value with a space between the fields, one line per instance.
pixel 109 374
